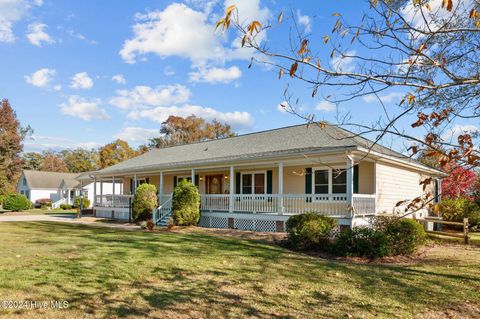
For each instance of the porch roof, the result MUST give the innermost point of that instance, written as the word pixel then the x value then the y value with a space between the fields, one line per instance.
pixel 299 139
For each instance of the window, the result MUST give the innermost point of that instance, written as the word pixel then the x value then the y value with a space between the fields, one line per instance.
pixel 321 181
pixel 24 181
pixel 253 183
pixel 339 182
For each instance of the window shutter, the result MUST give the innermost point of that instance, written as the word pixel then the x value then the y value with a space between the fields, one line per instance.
pixel 355 179
pixel 147 180
pixel 269 182
pixel 308 182
pixel 197 181
pixel 131 185
pixel 237 183
pixel 174 181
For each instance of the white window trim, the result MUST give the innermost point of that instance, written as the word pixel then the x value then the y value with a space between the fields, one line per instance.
pixel 330 179
pixel 253 181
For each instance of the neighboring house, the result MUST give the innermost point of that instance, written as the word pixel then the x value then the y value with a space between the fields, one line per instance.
pixel 60 188
pixel 37 185
pixel 257 181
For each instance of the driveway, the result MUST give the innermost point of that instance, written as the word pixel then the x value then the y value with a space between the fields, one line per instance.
pixel 67 218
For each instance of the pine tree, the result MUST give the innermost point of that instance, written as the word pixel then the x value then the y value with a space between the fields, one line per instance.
pixel 11 138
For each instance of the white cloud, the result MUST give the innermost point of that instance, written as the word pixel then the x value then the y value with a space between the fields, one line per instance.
pixel 181 31
pixel 145 96
pixel 85 109
pixel 176 31
pixel 12 11
pixel 57 87
pixel 168 70
pixel 81 81
pixel 41 78
pixel 325 106
pixel 282 107
pixel 38 143
pixel 343 63
pixel 215 75
pixel 453 133
pixel 387 98
pixel 305 21
pixel 36 34
pixel 137 134
pixel 159 114
pixel 119 78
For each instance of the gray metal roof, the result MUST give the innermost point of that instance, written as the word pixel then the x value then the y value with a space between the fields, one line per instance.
pixel 49 180
pixel 281 141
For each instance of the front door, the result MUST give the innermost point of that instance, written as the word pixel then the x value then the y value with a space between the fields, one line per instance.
pixel 214 184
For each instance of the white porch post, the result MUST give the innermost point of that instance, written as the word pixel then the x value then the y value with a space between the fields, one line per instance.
pixel 193 176
pixel 280 188
pixel 349 169
pixel 68 196
pixel 113 191
pixel 230 196
pixel 160 189
pixel 94 191
pixel 134 188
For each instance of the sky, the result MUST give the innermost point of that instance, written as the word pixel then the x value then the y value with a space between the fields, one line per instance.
pixel 84 73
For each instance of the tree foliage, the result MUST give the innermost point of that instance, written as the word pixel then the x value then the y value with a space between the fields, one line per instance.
pixel 11 138
pixel 53 163
pixel 32 161
pixel 80 160
pixel 177 130
pixel 114 153
pixel 460 183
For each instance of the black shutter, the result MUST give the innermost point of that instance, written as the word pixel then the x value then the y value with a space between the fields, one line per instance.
pixel 147 180
pixel 174 181
pixel 269 182
pixel 197 181
pixel 355 179
pixel 237 183
pixel 308 182
pixel 131 185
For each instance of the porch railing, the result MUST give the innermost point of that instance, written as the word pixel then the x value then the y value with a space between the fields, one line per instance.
pixel 115 201
pixel 364 204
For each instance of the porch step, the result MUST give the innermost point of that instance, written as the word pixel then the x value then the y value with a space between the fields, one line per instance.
pixel 163 221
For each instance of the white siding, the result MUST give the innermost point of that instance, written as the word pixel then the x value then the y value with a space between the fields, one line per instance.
pixel 395 184
pixel 107 189
pixel 36 194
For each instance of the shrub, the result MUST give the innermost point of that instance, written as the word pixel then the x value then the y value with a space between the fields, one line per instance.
pixel 66 206
pixel 186 204
pixel 309 230
pixel 85 201
pixel 144 202
pixel 2 198
pixel 455 210
pixel 44 202
pixel 16 202
pixel 405 235
pixel 362 242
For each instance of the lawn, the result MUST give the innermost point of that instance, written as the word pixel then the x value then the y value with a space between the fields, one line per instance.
pixel 42 212
pixel 103 272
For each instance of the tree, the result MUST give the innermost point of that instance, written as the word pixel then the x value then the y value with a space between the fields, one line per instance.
pixel 177 130
pixel 426 51
pixel 53 163
pixel 80 160
pixel 460 183
pixel 32 161
pixel 115 153
pixel 11 138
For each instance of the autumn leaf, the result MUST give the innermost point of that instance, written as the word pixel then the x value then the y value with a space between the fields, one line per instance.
pixel 254 27
pixel 230 9
pixel 280 73
pixel 293 69
pixel 326 39
pixel 303 47
pixel 280 17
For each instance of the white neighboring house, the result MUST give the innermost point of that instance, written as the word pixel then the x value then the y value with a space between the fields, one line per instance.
pixel 60 188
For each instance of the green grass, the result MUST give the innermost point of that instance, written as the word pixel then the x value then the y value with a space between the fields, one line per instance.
pixel 45 211
pixel 112 273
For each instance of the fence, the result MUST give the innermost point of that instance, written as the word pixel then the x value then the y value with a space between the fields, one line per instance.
pixel 464 235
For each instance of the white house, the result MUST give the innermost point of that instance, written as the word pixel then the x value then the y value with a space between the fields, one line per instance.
pixel 60 188
pixel 257 181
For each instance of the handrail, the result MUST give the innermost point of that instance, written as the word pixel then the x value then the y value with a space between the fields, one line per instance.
pixel 163 210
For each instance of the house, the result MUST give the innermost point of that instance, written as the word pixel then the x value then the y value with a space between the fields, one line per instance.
pixel 257 181
pixel 60 188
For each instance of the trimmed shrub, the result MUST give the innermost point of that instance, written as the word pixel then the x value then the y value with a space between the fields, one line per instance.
pixel 186 204
pixel 85 201
pixel 362 242
pixel 66 206
pixel 405 235
pixel 16 202
pixel 455 210
pixel 2 198
pixel 309 230
pixel 44 202
pixel 144 202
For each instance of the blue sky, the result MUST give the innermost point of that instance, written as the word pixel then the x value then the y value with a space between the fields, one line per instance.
pixel 83 73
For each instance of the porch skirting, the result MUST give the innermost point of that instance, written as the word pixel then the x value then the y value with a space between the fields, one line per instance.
pixel 112 213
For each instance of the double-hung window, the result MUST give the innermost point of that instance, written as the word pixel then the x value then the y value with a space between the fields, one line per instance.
pixel 253 183
pixel 321 181
pixel 339 181
pixel 330 181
